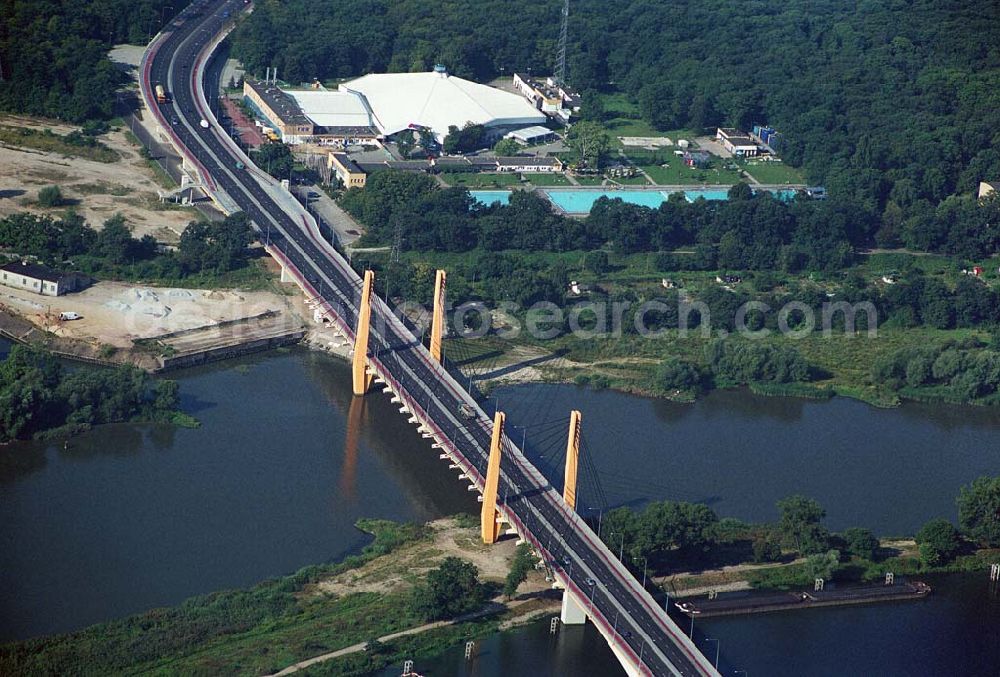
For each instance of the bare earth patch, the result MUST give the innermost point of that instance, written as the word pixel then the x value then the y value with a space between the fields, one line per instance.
pixel 116 313
pixel 406 566
pixel 102 189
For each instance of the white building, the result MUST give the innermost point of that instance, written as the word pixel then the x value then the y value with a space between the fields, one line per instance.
pixel 436 100
pixel 531 135
pixel 737 142
pixel 40 279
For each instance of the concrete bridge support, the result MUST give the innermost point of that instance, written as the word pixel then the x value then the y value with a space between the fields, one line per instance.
pixel 572 613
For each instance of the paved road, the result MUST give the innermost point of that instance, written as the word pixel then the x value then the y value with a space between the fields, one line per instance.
pixel 624 612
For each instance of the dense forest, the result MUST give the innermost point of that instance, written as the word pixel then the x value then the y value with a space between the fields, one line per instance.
pixel 38 394
pixel 210 247
pixel 53 53
pixel 747 232
pixel 894 104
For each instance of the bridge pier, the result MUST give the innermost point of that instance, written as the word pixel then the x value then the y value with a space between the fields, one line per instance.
pixel 571 613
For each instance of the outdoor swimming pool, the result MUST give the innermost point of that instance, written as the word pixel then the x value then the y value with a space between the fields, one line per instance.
pixel 581 201
pixel 488 197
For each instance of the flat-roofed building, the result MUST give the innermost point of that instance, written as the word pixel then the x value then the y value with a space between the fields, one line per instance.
pixel 531 135
pixel 280 111
pixel 987 188
pixel 312 116
pixel 548 96
pixel 347 170
pixel 40 279
pixel 737 142
pixel 339 118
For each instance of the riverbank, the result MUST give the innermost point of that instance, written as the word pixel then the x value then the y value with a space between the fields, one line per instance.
pixel 319 610
pixel 841 365
pixel 348 617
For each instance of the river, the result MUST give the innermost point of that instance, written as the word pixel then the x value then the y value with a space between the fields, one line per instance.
pixel 129 517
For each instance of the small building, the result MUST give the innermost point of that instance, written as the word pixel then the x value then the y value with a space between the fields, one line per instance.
pixel 737 142
pixel 532 135
pixel 40 279
pixel 696 158
pixel 347 170
pixel 987 188
pixel 529 164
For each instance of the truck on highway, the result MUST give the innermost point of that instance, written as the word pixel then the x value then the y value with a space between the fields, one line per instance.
pixel 161 94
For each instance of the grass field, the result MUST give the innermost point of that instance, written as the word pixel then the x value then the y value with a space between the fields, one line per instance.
pixel 639 180
pixel 774 172
pixel 55 143
pixel 495 180
pixel 541 179
pixel 677 173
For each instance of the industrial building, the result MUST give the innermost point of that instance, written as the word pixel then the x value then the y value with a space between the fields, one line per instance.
pixel 436 100
pixel 311 116
pixel 40 279
pixel 548 96
pixel 736 142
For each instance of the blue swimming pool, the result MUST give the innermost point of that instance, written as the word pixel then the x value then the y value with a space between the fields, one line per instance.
pixel 710 194
pixel 581 201
pixel 488 197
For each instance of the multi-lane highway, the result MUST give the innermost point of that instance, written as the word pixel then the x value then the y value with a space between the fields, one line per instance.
pixel 628 617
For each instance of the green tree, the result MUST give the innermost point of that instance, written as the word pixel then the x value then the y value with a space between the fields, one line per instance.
pixel 276 159
pixel 939 542
pixel 591 142
pixel 465 140
pixel 507 148
pixel 524 561
pixel 596 262
pixel 765 548
pixel 114 241
pixel 822 564
pixel 450 590
pixel 51 196
pixel 799 524
pixel 861 542
pixel 677 374
pixel 979 511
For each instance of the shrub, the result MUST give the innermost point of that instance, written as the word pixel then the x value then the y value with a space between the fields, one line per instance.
pixel 939 542
pixel 51 196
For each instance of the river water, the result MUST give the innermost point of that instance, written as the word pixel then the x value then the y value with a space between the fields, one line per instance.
pixel 130 517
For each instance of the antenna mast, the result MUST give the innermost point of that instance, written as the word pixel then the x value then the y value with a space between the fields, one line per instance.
pixel 561 56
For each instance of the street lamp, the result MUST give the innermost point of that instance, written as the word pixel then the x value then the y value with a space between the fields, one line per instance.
pixel 644 563
pixel 717 647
